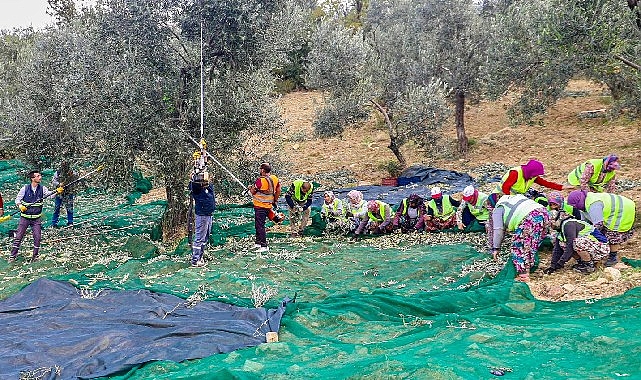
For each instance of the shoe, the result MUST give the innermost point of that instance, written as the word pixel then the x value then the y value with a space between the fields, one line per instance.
pixel 11 259
pixel 256 246
pixel 262 249
pixel 199 263
pixel 612 260
pixel 584 267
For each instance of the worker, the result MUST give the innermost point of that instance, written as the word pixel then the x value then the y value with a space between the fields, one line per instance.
pixel 63 176
pixel 612 214
pixel 333 213
pixel 410 215
pixel 377 220
pixel 299 200
pixel 30 200
pixel 265 193
pixel 441 211
pixel 520 178
pixel 472 208
pixel 356 209
pixel 596 175
pixel 202 190
pixel 527 220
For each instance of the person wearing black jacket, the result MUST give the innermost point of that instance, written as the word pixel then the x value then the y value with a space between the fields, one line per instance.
pixel 204 204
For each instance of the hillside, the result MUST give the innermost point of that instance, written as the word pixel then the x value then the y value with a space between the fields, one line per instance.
pixel 564 141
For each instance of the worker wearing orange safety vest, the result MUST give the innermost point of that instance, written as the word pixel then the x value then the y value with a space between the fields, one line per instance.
pixel 265 193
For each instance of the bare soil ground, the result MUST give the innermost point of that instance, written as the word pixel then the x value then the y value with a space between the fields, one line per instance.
pixel 563 141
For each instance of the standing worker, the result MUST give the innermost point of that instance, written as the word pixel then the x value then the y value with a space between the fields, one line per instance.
pixel 299 200
pixel 202 190
pixel 265 193
pixel 29 201
pixel 596 175
pixel 61 177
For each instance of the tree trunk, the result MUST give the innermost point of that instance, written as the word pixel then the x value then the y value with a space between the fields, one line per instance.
pixel 463 145
pixel 393 145
pixel 175 218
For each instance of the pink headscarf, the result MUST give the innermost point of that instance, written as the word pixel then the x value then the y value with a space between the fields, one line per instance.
pixel 576 199
pixel 533 169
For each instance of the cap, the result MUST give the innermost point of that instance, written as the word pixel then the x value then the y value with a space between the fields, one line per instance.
pixel 436 191
pixel 468 193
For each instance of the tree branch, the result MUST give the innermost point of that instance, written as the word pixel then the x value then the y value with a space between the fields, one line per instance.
pixel 628 62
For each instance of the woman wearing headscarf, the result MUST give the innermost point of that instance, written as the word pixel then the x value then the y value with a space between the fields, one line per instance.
pixel 333 213
pixel 596 175
pixel 519 179
pixel 377 220
pixel 355 209
pixel 612 214
pixel 472 208
pixel 410 213
pixel 441 211
pixel 527 220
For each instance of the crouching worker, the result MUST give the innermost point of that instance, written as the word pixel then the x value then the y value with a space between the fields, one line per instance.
pixel 472 209
pixel 333 213
pixel 299 200
pixel 356 209
pixel 378 219
pixel 527 220
pixel 441 211
pixel 612 214
pixel 410 214
pixel 578 239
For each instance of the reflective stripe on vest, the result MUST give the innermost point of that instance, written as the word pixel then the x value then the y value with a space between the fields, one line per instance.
pixel 618 211
pixel 33 201
pixel 516 208
pixel 381 210
pixel 448 210
pixel 574 178
pixel 519 187
pixel 265 198
pixel 325 208
pixel 298 185
pixel 585 231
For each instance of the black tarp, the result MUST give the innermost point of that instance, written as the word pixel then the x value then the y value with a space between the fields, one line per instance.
pixel 424 177
pixel 48 324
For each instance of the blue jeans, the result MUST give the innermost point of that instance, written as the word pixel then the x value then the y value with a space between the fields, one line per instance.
pixel 201 237
pixel 58 201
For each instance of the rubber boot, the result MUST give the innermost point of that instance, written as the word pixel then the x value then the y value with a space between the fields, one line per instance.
pixel 584 267
pixel 612 259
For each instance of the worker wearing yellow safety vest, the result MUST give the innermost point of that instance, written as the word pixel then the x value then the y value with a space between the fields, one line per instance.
pixel 333 213
pixel 612 214
pixel 441 211
pixel 527 220
pixel 265 193
pixel 578 239
pixel 30 200
pixel 472 208
pixel 410 215
pixel 378 219
pixel 596 175
pixel 355 209
pixel 299 200
pixel 519 179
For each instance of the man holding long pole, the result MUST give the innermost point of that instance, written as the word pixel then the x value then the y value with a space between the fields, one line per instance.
pixel 30 200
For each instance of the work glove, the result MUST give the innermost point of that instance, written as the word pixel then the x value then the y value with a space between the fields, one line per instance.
pixel 22 208
pixel 5 218
pixel 60 189
pixel 196 155
pixel 203 143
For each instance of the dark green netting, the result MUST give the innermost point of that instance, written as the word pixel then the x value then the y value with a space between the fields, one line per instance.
pixel 396 306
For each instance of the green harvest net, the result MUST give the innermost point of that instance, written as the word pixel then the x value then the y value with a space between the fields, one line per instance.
pixel 400 306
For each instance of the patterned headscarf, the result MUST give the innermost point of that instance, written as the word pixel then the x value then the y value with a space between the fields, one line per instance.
pixel 331 196
pixel 373 206
pixel 415 199
pixel 576 199
pixel 556 198
pixel 610 163
pixel 355 196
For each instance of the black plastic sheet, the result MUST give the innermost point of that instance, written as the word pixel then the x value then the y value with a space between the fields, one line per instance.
pixel 51 325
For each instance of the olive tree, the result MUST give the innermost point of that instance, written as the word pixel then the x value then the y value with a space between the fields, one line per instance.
pixel 120 85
